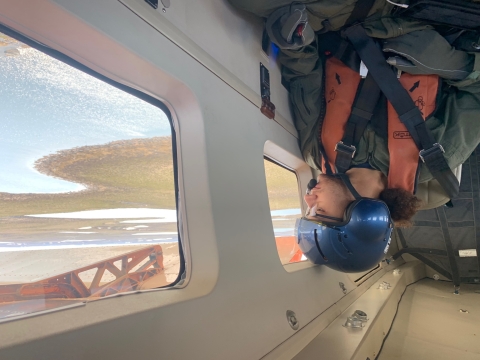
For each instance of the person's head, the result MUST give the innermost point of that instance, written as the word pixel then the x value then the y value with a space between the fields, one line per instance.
pixel 402 205
pixel 330 197
pixel 346 230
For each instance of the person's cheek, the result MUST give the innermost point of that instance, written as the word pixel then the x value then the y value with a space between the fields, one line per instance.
pixel 310 200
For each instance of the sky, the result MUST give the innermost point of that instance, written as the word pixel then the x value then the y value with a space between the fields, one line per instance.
pixel 46 106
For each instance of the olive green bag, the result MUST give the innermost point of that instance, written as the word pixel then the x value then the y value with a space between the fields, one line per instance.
pixel 461 14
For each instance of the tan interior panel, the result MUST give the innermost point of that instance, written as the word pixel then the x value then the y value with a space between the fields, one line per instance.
pixel 433 323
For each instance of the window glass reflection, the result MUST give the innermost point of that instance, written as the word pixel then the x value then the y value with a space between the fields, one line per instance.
pixel 86 184
pixel 285 208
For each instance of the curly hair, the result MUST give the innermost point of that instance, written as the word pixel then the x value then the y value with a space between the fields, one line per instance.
pixel 402 205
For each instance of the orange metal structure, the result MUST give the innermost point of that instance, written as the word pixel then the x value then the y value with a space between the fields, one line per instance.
pixel 71 286
pixel 130 272
pixel 288 249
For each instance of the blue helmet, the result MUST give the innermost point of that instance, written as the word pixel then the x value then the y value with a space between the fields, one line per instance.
pixel 356 243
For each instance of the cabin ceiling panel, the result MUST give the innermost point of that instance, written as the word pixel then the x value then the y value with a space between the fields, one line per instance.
pixel 226 41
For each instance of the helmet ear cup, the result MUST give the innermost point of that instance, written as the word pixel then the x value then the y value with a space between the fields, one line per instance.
pixel 288 27
pixel 357 244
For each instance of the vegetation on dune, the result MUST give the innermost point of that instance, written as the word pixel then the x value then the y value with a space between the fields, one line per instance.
pixel 282 187
pixel 5 40
pixel 126 164
pixel 122 174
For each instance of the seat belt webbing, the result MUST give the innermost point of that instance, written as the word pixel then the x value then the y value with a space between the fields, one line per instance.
pixel 360 11
pixel 343 50
pixel 364 105
pixel 362 112
pixel 431 153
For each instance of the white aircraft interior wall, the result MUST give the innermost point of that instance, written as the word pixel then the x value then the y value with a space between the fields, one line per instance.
pixel 231 37
pixel 237 292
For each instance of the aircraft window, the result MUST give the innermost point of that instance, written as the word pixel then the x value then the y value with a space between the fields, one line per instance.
pixel 285 208
pixel 87 187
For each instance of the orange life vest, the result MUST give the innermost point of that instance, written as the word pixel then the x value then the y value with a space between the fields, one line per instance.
pixel 341 84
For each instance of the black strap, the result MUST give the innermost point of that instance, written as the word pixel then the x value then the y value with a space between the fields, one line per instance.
pixel 362 111
pixel 428 251
pixel 431 152
pixel 423 259
pixel 337 45
pixel 475 181
pixel 332 43
pixel 360 11
pixel 348 184
pixel 321 148
pixel 448 245
pixel 342 50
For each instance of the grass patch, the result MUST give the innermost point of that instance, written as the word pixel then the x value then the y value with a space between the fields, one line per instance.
pixel 121 174
pixel 125 174
pixel 282 185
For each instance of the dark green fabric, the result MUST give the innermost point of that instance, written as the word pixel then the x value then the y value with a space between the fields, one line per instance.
pixel 455 125
pixel 446 61
pixel 304 71
pixel 331 15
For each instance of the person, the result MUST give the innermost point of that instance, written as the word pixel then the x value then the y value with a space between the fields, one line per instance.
pixel 317 95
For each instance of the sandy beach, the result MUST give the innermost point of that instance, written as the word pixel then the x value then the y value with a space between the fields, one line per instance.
pixel 17 267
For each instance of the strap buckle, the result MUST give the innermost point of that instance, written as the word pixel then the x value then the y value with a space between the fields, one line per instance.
pixel 347 149
pixel 433 150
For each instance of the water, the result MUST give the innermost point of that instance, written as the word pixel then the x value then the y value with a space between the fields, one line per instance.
pixel 286 212
pixel 47 106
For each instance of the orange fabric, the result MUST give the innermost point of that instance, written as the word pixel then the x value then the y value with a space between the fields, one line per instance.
pixel 403 151
pixel 341 84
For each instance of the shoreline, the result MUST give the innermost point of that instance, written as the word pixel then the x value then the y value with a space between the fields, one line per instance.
pixel 6 249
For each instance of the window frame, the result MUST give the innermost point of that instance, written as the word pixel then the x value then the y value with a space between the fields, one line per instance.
pixel 182 274
pixel 303 172
pixel 270 160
